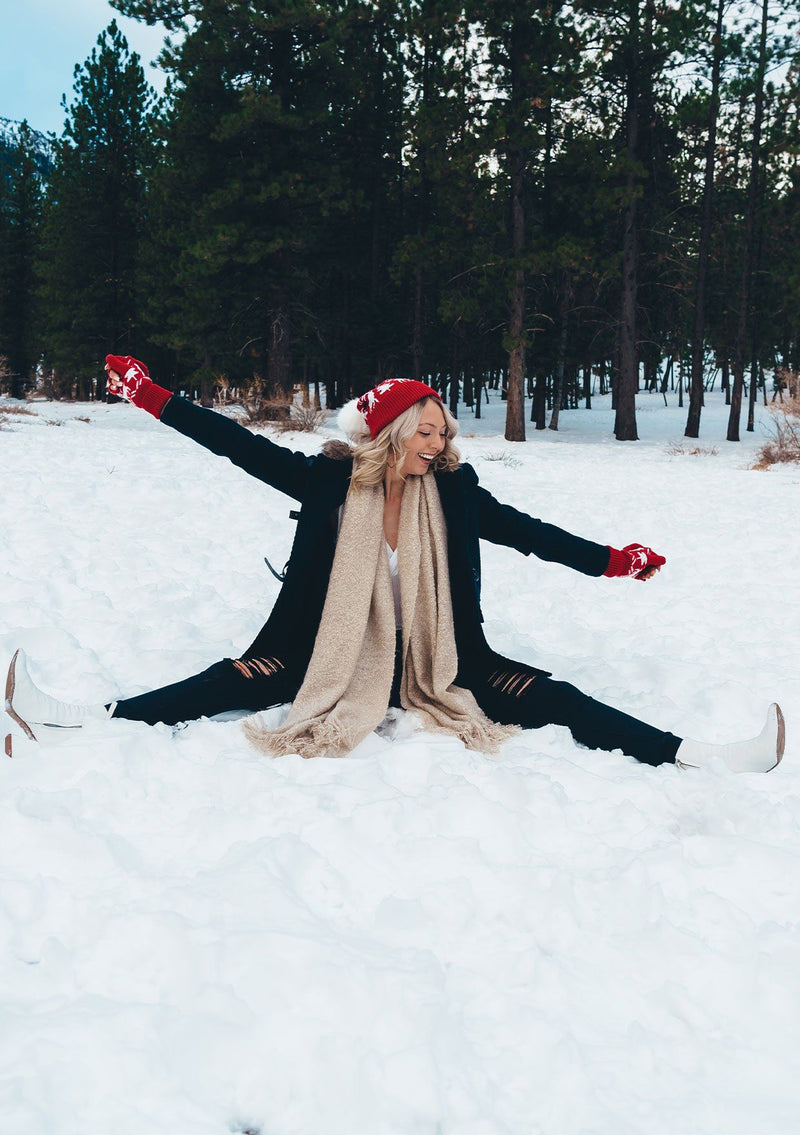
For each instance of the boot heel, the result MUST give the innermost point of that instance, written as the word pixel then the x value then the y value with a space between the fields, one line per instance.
pixel 11 682
pixel 781 735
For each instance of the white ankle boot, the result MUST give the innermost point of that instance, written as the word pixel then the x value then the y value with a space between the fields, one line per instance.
pixel 760 754
pixel 31 708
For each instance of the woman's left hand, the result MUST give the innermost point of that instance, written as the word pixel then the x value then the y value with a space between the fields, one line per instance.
pixel 634 560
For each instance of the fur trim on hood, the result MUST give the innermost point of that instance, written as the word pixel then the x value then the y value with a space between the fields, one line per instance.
pixel 337 450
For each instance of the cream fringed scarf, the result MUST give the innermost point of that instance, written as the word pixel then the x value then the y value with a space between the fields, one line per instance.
pixel 347 686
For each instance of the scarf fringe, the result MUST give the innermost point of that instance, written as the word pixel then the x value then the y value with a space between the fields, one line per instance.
pixel 481 736
pixel 327 737
pixel 334 739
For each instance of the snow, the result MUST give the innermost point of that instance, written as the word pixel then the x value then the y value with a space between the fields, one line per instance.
pixel 417 939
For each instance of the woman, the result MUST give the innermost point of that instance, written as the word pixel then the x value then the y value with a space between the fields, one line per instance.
pixel 380 603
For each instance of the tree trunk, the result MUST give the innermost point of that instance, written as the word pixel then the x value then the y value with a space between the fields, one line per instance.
pixel 751 402
pixel 416 335
pixel 627 376
pixel 515 408
pixel 749 229
pixel 667 373
pixel 429 59
pixel 698 337
pixel 279 382
pixel 558 386
pixel 756 307
pixel 455 370
pixel 538 403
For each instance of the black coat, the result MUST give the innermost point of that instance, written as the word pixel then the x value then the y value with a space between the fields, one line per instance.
pixel 320 484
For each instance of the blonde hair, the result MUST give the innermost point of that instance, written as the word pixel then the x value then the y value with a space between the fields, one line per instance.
pixel 371 457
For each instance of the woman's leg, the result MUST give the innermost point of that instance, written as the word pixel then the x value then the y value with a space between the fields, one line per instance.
pixel 515 694
pixel 251 684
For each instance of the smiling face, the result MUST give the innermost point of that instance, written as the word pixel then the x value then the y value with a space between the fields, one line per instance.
pixel 425 445
pixel 415 441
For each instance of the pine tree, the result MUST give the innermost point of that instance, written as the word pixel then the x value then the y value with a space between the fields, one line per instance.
pixel 780 284
pixel 743 323
pixel 638 40
pixel 94 216
pixel 360 166
pixel 20 216
pixel 447 257
pixel 278 197
pixel 511 36
pixel 698 331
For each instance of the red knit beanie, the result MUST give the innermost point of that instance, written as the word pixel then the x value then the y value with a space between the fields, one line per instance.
pixel 381 405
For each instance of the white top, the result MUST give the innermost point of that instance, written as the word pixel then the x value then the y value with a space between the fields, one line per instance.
pixel 395 574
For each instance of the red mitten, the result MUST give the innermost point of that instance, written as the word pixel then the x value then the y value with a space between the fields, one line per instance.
pixel 133 383
pixel 635 560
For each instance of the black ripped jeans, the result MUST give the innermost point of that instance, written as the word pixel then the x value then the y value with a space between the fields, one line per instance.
pixel 508 692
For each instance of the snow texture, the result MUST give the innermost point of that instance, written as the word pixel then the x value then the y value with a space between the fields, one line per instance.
pixel 415 940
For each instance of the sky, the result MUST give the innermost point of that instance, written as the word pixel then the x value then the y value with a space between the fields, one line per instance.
pixel 40 43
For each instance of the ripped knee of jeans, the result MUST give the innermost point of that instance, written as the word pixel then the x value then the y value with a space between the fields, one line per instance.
pixel 512 680
pixel 258 667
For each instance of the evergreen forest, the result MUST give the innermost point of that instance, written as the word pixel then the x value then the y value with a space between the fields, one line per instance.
pixel 544 202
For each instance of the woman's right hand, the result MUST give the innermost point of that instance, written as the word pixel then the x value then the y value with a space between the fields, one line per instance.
pixel 130 379
pixel 126 376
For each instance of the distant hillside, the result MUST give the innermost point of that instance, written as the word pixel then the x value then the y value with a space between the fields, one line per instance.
pixel 9 139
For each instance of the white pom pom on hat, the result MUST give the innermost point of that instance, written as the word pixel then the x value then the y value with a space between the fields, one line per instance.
pixel 352 422
pixel 369 414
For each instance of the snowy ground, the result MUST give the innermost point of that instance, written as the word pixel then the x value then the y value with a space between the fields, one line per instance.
pixel 416 940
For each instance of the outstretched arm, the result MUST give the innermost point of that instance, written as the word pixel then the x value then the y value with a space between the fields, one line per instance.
pixel 278 466
pixel 502 524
